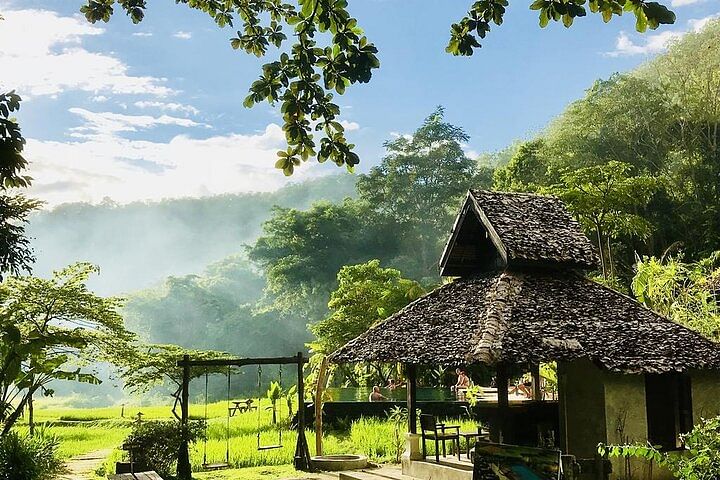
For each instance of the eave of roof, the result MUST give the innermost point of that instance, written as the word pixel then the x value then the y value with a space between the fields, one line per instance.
pixel 531 317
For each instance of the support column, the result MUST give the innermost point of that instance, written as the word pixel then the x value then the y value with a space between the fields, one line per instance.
pixel 184 471
pixel 302 452
pixel 498 431
pixel 562 406
pixel 412 397
pixel 536 390
pixel 319 388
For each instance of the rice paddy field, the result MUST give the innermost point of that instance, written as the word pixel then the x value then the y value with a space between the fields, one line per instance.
pixel 90 430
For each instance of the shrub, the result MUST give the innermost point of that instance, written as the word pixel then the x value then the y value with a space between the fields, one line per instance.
pixel 25 457
pixel 699 461
pixel 156 444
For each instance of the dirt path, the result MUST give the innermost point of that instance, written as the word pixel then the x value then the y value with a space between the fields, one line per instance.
pixel 83 467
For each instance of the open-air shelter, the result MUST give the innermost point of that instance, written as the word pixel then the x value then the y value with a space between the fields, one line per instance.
pixel 521 298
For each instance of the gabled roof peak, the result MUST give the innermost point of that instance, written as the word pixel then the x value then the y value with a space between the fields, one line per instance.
pixel 495 230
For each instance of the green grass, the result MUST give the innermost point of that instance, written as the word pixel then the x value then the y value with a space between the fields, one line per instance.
pixel 254 473
pixel 86 430
pixel 79 440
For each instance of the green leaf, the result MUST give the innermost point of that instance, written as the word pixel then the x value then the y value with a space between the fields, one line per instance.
pixel 544 20
pixel 641 22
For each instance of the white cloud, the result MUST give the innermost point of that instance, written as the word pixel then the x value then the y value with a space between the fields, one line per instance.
pixel 142 34
pixel 697 24
pixel 42 54
pixel 183 35
pixel 124 170
pixel 350 126
pixel 469 152
pixel 108 123
pixel 406 136
pixel 682 3
pixel 651 44
pixel 100 98
pixel 168 106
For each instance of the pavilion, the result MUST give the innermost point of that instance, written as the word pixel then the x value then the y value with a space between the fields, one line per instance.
pixel 522 298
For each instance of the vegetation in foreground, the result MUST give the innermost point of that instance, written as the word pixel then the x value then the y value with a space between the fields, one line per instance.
pixel 102 428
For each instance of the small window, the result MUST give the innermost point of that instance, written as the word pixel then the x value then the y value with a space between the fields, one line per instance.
pixel 668 399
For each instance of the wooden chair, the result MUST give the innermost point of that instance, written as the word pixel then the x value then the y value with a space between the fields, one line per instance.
pixel 432 430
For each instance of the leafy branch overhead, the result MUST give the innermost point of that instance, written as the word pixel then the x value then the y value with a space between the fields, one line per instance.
pixel 16 255
pixel 11 144
pixel 465 35
pixel 304 77
pixel 330 52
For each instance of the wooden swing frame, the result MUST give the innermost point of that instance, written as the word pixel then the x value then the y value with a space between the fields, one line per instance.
pixel 301 459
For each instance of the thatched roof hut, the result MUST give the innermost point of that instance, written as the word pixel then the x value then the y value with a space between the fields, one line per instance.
pixel 522 298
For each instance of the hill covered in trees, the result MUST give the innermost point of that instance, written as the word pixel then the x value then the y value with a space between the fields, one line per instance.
pixel 638 158
pixel 141 243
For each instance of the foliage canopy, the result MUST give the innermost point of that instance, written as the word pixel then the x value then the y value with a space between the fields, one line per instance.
pixel 685 292
pixel 16 254
pixel 654 133
pixel 53 329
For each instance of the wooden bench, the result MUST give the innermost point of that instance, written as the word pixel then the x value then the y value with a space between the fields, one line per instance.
pixel 136 476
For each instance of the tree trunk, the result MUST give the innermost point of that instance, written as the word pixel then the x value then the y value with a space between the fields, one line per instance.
pixel 15 415
pixel 598 230
pixel 31 415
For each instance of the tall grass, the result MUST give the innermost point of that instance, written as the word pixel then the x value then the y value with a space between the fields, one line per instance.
pixel 84 438
pixel 86 430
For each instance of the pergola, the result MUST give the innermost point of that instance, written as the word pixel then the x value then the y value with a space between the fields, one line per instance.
pixel 521 299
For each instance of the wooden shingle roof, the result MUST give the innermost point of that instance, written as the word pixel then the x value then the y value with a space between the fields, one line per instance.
pixel 522 229
pixel 530 317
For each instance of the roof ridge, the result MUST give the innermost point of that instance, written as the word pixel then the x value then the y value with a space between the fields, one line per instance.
pixel 499 300
pixel 518 194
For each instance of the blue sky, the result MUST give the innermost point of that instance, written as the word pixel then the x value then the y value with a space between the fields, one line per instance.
pixel 150 111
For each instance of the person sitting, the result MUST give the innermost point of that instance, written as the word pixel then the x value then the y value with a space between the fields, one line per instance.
pixel 523 386
pixel 391 384
pixel 376 396
pixel 463 381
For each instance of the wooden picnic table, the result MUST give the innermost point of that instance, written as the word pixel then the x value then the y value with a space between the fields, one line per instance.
pixel 241 406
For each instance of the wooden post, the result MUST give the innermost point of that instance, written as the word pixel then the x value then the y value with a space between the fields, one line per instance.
pixel 535 372
pixel 318 406
pixel 302 452
pixel 31 408
pixel 184 471
pixel 562 407
pixel 412 397
pixel 498 434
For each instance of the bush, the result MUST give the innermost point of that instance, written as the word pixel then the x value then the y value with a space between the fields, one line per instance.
pixel 699 461
pixel 156 444
pixel 25 457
